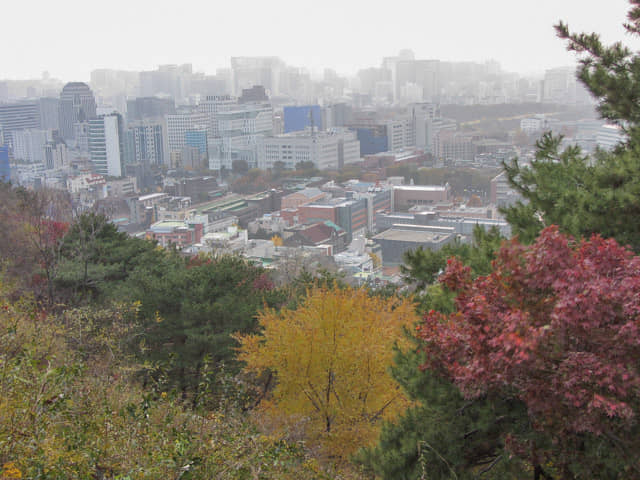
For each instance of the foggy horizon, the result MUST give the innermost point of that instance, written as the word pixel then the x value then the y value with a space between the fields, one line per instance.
pixel 68 41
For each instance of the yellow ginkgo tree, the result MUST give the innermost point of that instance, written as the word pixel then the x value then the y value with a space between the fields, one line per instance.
pixel 330 358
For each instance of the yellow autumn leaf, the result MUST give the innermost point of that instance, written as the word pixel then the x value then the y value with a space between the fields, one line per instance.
pixel 331 358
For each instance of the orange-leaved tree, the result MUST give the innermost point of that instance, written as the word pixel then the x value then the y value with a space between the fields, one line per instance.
pixel 330 359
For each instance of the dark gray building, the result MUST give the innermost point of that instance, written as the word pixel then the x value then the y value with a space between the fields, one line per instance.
pixel 49 119
pixel 77 105
pixel 143 108
pixel 396 241
pixel 255 94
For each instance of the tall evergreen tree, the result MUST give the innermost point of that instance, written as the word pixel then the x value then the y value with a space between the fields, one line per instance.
pixel 582 194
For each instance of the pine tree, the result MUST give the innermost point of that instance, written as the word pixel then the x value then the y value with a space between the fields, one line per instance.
pixel 565 187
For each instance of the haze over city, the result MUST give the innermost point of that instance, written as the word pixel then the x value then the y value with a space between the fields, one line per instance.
pixel 72 37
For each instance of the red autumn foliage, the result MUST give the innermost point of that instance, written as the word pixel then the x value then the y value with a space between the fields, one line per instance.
pixel 263 283
pixel 53 231
pixel 198 261
pixel 556 325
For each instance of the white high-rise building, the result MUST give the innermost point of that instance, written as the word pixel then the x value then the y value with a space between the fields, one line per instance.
pixel 411 92
pixel 560 85
pixel 327 150
pixel 250 71
pixel 28 145
pixel 106 145
pixel 238 132
pixel 400 134
pixel 533 125
pixel 424 114
pixel 609 137
pixel 211 105
pixel 178 125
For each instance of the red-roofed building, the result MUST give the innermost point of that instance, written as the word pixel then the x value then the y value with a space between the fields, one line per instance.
pixel 180 234
pixel 321 233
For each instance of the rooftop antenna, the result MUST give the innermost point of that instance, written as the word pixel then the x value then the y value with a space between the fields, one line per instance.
pixel 313 129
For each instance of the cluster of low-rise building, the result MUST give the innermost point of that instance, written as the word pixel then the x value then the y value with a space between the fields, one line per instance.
pixel 361 228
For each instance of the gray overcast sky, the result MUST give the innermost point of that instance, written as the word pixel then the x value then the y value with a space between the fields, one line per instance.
pixel 69 38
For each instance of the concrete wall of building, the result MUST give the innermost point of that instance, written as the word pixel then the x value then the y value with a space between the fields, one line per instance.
pixel 407 197
pixel 308 213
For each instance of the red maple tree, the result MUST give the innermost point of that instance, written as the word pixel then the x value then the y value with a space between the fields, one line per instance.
pixel 556 325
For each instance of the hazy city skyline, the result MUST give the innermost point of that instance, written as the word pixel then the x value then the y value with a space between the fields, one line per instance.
pixel 68 39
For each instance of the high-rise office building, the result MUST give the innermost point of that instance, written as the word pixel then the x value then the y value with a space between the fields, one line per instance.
pixel 145 108
pixel 368 78
pixel 171 80
pixel 204 85
pixel 326 150
pixel 107 83
pixel 424 115
pixel 560 85
pixel 49 119
pixel 4 91
pixel 18 116
pixel 400 133
pixel 250 71
pixel 55 155
pixel 211 105
pixel 255 94
pixel 197 138
pixel 81 137
pixel 178 125
pixel 28 145
pixel 238 132
pixel 336 115
pixel 106 147
pixel 144 143
pixel 77 105
pixel 427 75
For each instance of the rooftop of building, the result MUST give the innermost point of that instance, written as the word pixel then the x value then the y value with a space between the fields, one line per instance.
pixel 166 226
pixel 398 155
pixel 331 203
pixel 423 188
pixel 152 196
pixel 359 186
pixel 413 236
pixel 320 232
pixel 87 175
pixel 308 133
pixel 262 195
pixel 218 203
pixel 309 192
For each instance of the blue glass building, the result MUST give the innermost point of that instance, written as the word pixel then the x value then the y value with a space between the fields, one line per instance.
pixel 5 169
pixel 297 118
pixel 198 139
pixel 372 139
